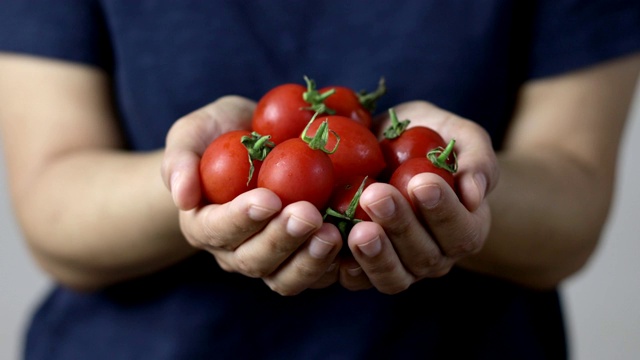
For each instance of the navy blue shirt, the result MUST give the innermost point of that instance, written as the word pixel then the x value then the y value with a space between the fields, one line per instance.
pixel 168 58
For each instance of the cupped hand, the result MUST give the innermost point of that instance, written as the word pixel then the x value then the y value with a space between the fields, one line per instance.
pixel 289 248
pixel 400 246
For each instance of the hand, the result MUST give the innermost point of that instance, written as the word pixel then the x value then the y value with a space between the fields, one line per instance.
pixel 399 248
pixel 290 249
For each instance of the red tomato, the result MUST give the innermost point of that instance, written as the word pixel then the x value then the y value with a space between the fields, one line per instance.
pixel 225 167
pixel 296 171
pixel 437 162
pixel 348 103
pixel 284 111
pixel 402 143
pixel 359 151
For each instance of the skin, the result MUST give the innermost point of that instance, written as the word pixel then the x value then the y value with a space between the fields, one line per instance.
pixel 558 151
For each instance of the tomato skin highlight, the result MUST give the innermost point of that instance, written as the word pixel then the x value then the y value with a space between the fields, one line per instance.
pixel 412 167
pixel 345 102
pixel 224 168
pixel 414 142
pixel 359 151
pixel 296 172
pixel 282 113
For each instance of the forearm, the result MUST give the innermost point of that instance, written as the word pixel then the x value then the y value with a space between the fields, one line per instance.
pixel 548 211
pixel 98 217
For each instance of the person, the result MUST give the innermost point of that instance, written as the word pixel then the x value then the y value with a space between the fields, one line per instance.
pixel 106 107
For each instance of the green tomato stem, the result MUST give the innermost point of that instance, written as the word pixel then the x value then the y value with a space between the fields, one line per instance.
pixel 344 223
pixel 439 157
pixel 347 220
pixel 316 99
pixel 321 138
pixel 258 147
pixel 370 100
pixel 397 127
pixel 353 205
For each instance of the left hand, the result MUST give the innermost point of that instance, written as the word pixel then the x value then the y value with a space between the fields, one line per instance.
pixel 400 247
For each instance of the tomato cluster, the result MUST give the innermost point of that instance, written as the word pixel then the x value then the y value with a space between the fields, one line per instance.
pixel 316 145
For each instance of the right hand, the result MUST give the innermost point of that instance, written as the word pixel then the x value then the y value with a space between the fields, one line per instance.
pixel 291 249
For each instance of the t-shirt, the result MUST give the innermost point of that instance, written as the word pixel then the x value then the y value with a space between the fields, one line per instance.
pixel 168 58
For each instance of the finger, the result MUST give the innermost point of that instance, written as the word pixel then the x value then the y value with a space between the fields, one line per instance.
pixel 309 264
pixel 352 277
pixel 228 225
pixel 478 170
pixel 183 182
pixel 330 277
pixel 459 232
pixel 189 137
pixel 263 253
pixel 373 250
pixel 417 249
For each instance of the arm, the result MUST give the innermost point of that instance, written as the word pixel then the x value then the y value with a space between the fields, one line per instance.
pixel 92 214
pixel 542 220
pixel 558 171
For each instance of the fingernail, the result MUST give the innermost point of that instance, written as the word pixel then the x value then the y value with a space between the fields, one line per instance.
pixel 383 208
pixel 355 271
pixel 174 184
pixel 332 267
pixel 319 248
pixel 259 213
pixel 371 248
pixel 481 183
pixel 299 227
pixel 428 195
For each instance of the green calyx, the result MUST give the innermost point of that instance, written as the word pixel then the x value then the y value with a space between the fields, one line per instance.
pixel 345 221
pixel 440 157
pixel 316 99
pixel 258 147
pixel 397 127
pixel 370 100
pixel 321 138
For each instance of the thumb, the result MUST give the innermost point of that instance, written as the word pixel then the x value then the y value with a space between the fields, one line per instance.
pixel 189 137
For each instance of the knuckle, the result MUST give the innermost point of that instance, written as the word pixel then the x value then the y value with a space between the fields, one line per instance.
pixel 282 289
pixel 423 106
pixel 225 266
pixel 383 268
pixel 469 243
pixel 428 261
pixel 246 265
pixel 395 287
pixel 281 245
pixel 306 271
pixel 213 237
pixel 439 272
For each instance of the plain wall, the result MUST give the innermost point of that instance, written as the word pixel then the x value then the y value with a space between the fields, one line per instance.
pixel 602 301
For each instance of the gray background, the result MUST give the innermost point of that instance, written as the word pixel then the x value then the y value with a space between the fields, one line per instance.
pixel 602 301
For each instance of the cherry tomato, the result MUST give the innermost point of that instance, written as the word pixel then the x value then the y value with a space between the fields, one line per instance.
pixel 228 165
pixel 345 102
pixel 356 106
pixel 344 194
pixel 297 170
pixel 359 151
pixel 284 111
pixel 437 162
pixel 402 143
pixel 344 209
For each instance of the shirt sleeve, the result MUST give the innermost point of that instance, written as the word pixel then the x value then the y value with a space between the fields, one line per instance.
pixel 72 30
pixel 570 34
